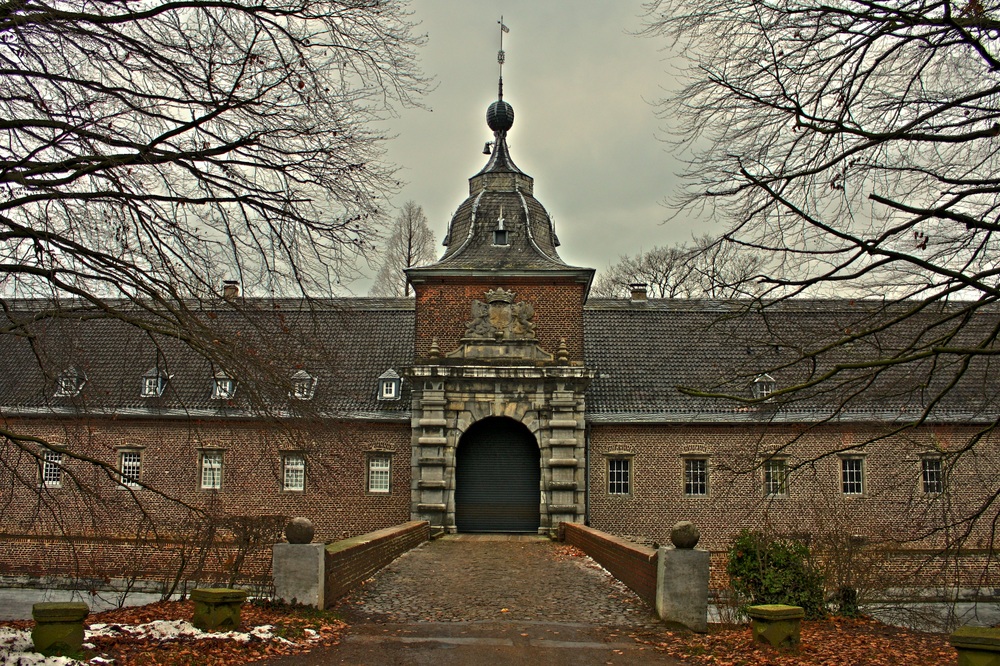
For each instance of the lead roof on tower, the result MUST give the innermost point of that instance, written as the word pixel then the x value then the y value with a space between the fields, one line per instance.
pixel 500 191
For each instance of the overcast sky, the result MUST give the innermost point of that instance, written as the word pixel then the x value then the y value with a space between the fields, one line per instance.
pixel 584 128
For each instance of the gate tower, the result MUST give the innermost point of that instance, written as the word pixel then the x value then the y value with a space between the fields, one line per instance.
pixel 499 333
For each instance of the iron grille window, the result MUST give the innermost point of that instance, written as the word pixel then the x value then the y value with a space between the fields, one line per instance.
pixel 852 476
pixel 619 473
pixel 775 477
pixel 933 475
pixel 295 472
pixel 130 466
pixel 211 470
pixel 696 477
pixel 379 468
pixel 52 469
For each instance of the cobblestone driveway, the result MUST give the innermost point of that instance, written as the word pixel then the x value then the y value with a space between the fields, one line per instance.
pixel 467 600
pixel 497 578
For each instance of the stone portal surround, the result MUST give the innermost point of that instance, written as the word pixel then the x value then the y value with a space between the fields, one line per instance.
pixel 548 400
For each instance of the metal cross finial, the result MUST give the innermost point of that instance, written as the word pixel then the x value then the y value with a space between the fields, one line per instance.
pixel 501 56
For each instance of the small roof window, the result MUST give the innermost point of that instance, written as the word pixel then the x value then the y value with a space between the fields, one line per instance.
pixel 154 382
pixel 69 383
pixel 223 386
pixel 390 385
pixel 763 386
pixel 303 385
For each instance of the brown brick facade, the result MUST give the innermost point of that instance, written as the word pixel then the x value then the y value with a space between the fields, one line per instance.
pixel 443 308
pixel 893 510
pixel 91 525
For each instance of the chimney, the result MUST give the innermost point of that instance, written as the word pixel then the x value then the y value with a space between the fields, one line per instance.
pixel 638 290
pixel 230 289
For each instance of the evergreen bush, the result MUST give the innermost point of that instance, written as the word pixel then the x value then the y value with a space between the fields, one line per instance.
pixel 766 569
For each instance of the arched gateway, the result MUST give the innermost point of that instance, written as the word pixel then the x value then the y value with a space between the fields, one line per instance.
pixel 497 478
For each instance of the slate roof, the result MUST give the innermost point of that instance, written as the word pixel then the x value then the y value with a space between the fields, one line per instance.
pixel 499 190
pixel 644 352
pixel 346 344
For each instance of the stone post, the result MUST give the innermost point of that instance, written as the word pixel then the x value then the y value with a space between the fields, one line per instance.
pixel 217 608
pixel 777 625
pixel 977 646
pixel 299 567
pixel 682 580
pixel 58 626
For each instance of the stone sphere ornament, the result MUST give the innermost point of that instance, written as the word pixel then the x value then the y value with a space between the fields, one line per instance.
pixel 299 530
pixel 684 535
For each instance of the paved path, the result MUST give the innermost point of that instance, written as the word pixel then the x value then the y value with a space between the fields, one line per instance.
pixel 491 599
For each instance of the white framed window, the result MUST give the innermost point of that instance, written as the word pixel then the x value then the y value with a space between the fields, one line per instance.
pixel 154 383
pixel 619 476
pixel 51 472
pixel 775 477
pixel 932 475
pixel 211 470
pixel 763 386
pixel 223 388
pixel 294 472
pixel 389 385
pixel 379 472
pixel 303 385
pixel 130 468
pixel 696 477
pixel 852 475
pixel 69 383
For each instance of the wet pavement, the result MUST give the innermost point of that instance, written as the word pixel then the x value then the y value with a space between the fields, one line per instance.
pixel 491 599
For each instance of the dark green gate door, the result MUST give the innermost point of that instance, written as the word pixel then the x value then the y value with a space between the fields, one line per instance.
pixel 497 478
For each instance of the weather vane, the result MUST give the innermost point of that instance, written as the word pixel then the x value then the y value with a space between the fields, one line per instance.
pixel 501 56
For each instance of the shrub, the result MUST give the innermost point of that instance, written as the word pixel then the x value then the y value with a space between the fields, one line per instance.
pixel 765 569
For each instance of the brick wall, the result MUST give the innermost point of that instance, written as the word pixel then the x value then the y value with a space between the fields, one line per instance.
pixel 892 514
pixel 352 561
pixel 630 563
pixel 443 308
pixel 90 524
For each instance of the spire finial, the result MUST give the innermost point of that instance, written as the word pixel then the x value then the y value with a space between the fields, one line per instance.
pixel 501 56
pixel 500 115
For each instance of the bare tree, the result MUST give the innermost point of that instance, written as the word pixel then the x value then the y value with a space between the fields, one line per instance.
pixel 855 144
pixel 410 243
pixel 149 150
pixel 709 268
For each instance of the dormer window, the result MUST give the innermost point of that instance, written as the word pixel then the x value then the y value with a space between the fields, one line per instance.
pixel 389 385
pixel 223 387
pixel 69 383
pixel 763 386
pixel 153 383
pixel 303 385
pixel 500 235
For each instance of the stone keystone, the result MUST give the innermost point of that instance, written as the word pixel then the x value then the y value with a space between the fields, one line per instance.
pixel 58 627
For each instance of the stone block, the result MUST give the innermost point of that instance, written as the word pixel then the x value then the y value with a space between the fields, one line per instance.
pixel 58 627
pixel 977 646
pixel 682 587
pixel 299 573
pixel 217 608
pixel 776 624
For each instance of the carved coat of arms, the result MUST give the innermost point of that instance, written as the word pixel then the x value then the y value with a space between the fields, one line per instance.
pixel 500 318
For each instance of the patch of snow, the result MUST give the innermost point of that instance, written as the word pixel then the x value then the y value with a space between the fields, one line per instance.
pixel 17 648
